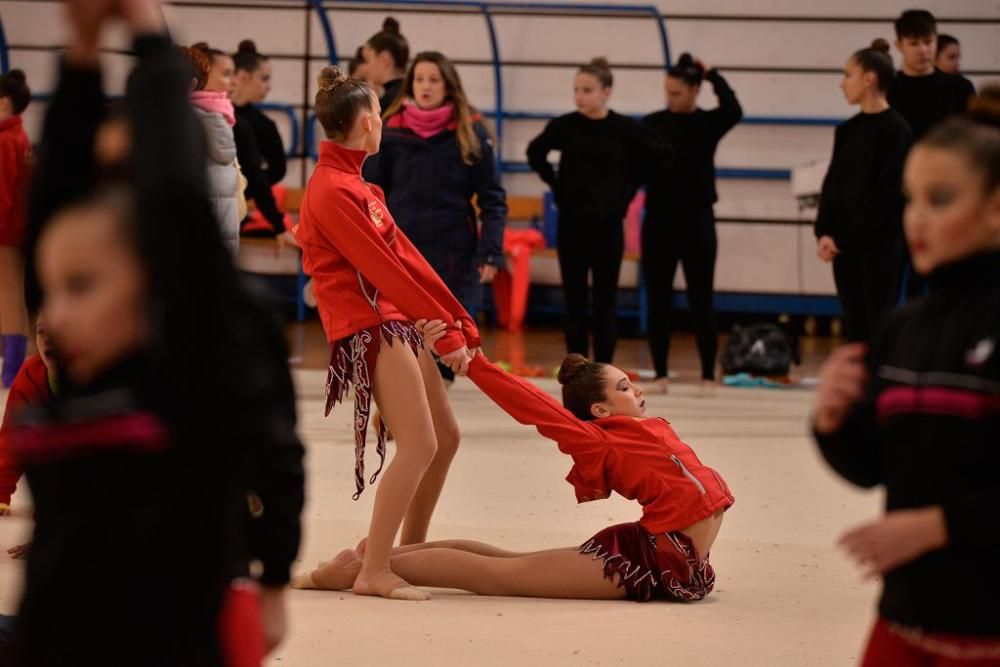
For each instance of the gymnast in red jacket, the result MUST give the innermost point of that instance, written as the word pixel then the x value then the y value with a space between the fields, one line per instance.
pixel 34 385
pixel 371 284
pixel 615 447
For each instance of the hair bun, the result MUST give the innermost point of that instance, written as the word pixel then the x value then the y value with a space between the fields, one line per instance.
pixel 390 25
pixel 17 75
pixel 571 366
pixel 687 60
pixel 880 44
pixel 201 46
pixel 247 46
pixel 601 62
pixel 330 77
pixel 985 107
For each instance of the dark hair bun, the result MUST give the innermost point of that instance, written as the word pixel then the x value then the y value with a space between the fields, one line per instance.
pixel 600 62
pixel 571 366
pixel 17 76
pixel 985 107
pixel 390 25
pixel 201 46
pixel 687 60
pixel 247 46
pixel 880 44
pixel 330 77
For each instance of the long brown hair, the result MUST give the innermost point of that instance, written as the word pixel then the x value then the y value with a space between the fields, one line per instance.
pixel 468 140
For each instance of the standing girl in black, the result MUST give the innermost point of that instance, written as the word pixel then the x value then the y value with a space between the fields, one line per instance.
pixel 435 156
pixel 601 166
pixel 859 226
pixel 680 222
pixel 386 55
pixel 168 411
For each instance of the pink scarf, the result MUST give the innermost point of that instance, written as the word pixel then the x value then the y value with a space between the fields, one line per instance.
pixel 215 102
pixel 427 123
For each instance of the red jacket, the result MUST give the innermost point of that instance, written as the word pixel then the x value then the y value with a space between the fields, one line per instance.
pixel 31 387
pixel 640 459
pixel 363 267
pixel 15 171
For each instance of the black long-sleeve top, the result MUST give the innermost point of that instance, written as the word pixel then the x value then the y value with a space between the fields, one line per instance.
pixel 261 153
pixel 928 431
pixel 862 198
pixel 927 100
pixel 602 163
pixel 687 179
pixel 429 189
pixel 141 516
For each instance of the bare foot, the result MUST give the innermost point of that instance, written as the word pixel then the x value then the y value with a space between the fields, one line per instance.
pixel 706 389
pixel 336 575
pixel 388 585
pixel 660 385
pixel 362 548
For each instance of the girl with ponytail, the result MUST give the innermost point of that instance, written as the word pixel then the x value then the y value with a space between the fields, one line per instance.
pixel 615 447
pixel 859 225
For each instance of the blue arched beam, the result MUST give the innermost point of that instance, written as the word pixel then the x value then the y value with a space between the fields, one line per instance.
pixel 4 54
pixel 497 83
pixel 324 21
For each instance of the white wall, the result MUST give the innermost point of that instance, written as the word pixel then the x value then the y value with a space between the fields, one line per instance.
pixel 744 34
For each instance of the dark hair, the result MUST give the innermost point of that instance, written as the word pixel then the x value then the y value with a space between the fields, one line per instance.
pixel 600 69
pixel 209 51
pixel 200 65
pixel 975 134
pixel 915 23
pixel 14 85
pixel 339 100
pixel 944 41
pixel 389 39
pixel 582 383
pixel 357 61
pixel 468 142
pixel 876 59
pixel 687 70
pixel 247 57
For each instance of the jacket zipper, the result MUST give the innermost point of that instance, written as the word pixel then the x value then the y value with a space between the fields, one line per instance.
pixel 687 473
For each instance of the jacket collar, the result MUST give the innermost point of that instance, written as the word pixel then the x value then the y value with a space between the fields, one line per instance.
pixel 334 155
pixel 971 274
pixel 13 121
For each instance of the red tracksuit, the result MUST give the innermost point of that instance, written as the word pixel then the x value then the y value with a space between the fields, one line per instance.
pixel 640 459
pixel 31 387
pixel 364 269
pixel 15 164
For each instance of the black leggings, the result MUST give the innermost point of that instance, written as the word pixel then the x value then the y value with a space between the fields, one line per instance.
pixel 868 286
pixel 588 247
pixel 688 238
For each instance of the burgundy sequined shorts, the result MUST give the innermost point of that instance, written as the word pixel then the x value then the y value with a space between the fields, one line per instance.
pixel 352 362
pixel 670 570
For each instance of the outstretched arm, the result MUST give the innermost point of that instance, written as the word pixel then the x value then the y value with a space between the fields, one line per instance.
pixel 531 406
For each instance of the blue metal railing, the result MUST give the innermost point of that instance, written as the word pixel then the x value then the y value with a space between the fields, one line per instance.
pixel 4 55
pixel 484 8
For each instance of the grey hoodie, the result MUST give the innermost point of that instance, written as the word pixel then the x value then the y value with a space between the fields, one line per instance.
pixel 222 175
